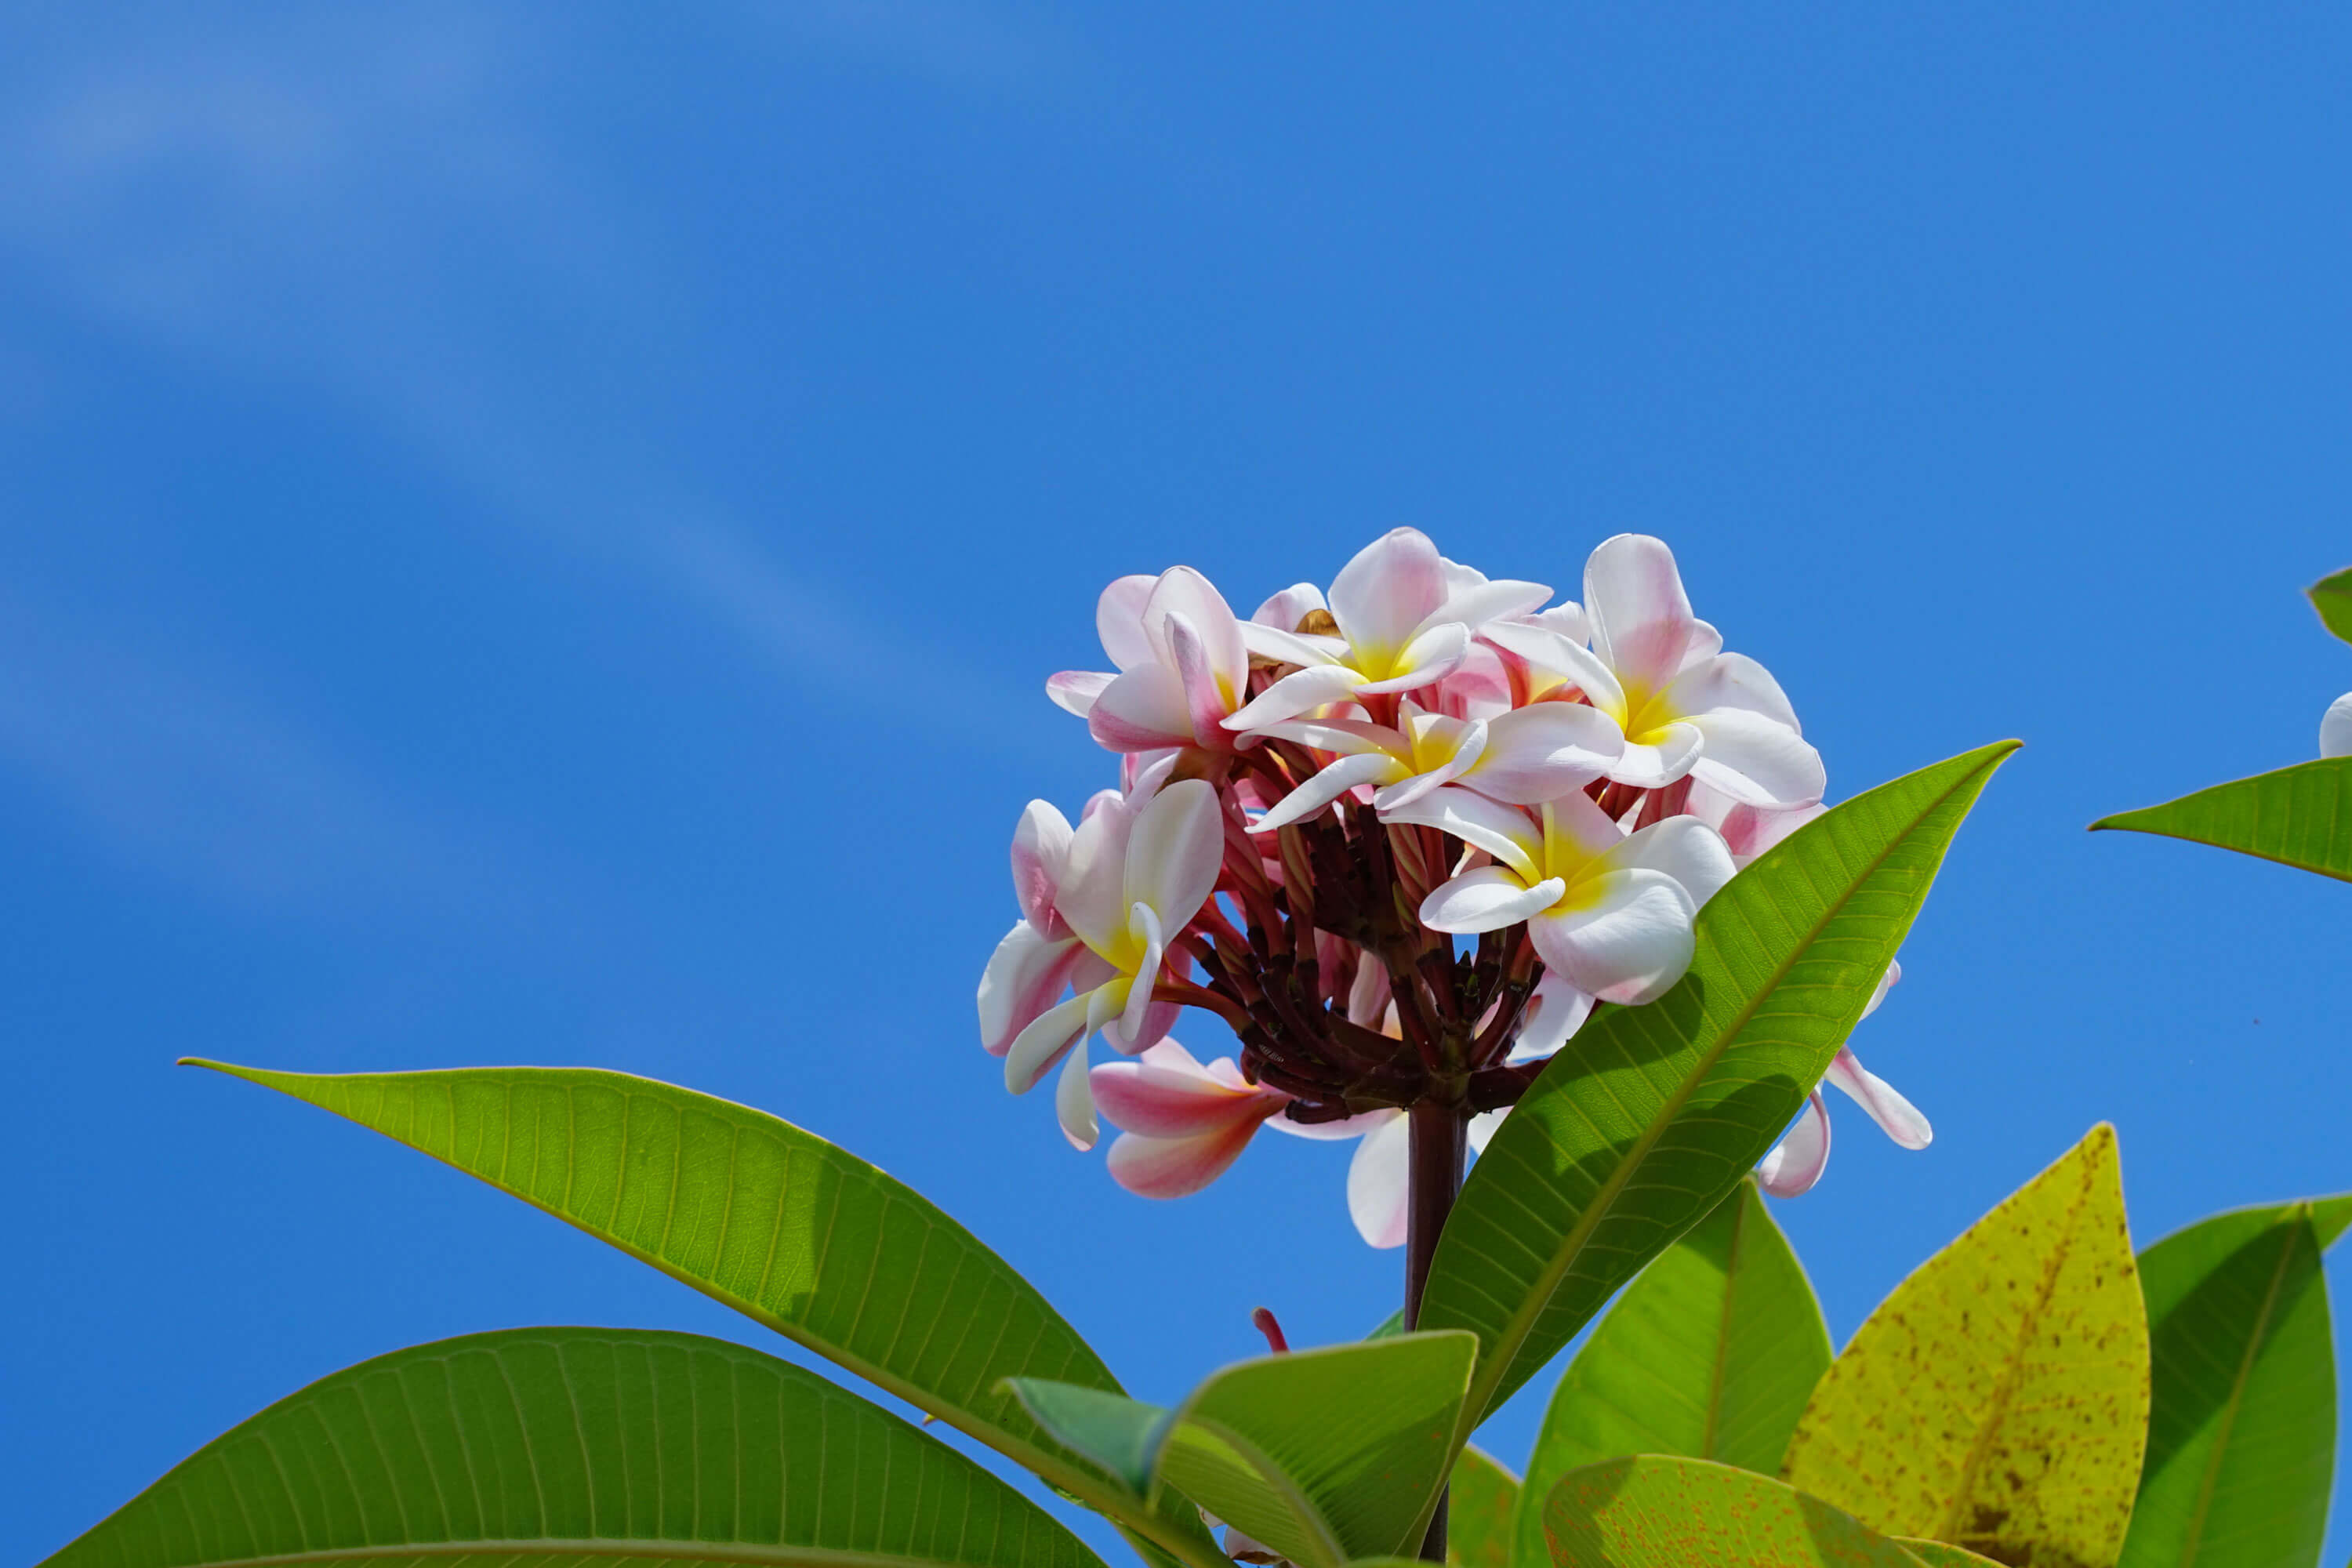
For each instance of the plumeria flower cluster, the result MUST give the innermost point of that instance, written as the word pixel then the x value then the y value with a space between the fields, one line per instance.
pixel 1400 838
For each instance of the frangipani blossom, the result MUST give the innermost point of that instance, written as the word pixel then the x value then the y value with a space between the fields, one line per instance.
pixel 1404 617
pixel 1133 877
pixel 1181 1124
pixel 1797 1161
pixel 1521 756
pixel 1687 707
pixel 1182 667
pixel 1608 912
pixel 2335 728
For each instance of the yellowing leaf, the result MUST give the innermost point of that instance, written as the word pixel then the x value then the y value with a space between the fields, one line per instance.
pixel 1999 1399
pixel 1478 1514
pixel 1661 1510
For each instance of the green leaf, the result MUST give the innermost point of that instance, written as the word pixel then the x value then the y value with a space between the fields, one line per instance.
pixel 1709 1354
pixel 1942 1554
pixel 2332 598
pixel 1999 1399
pixel 2299 816
pixel 769 1219
pixel 541 1446
pixel 2241 1440
pixel 1651 1511
pixel 1324 1454
pixel 1478 1513
pixel 1392 1325
pixel 1650 1114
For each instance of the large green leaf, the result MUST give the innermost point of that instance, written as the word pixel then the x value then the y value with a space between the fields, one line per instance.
pixel 2242 1439
pixel 2332 598
pixel 1710 1353
pixel 2299 816
pixel 769 1219
pixel 1942 1554
pixel 534 1448
pixel 1478 1512
pixel 1650 1114
pixel 1324 1454
pixel 1651 1510
pixel 1998 1398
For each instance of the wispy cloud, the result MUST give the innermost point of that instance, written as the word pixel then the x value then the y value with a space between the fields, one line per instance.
pixel 174 773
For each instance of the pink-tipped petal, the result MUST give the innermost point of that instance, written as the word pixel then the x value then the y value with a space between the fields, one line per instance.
pixel 1300 692
pixel 1182 593
pixel 2335 728
pixel 1685 849
pixel 1037 1049
pixel 1285 610
pixel 1797 1161
pixel 1074 1107
pixel 1628 944
pixel 1379 1182
pixel 1503 831
pixel 1041 853
pixel 1074 690
pixel 1539 753
pixel 1024 976
pixel 1174 853
pixel 1556 1010
pixel 1119 620
pixel 1487 898
pixel 1887 982
pixel 1204 696
pixel 1555 661
pixel 1176 1167
pixel 1756 761
pixel 1641 619
pixel 1156 1096
pixel 1333 781
pixel 1380 596
pixel 1141 711
pixel 1158 1020
pixel 1897 1117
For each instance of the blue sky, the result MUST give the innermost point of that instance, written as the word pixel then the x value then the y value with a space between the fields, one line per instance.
pixel 534 535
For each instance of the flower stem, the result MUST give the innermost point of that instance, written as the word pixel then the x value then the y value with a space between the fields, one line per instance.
pixel 1438 1135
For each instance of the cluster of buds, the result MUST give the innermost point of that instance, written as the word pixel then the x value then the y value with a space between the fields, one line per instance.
pixel 1400 839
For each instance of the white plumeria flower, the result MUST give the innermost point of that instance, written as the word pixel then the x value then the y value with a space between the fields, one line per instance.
pixel 1522 756
pixel 1182 667
pixel 1181 1124
pixel 2335 728
pixel 1685 705
pixel 1030 967
pixel 1797 1161
pixel 1608 912
pixel 1405 615
pixel 1133 877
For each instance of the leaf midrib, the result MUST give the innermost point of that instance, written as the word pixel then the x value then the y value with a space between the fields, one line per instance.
pixel 1522 1321
pixel 2194 1542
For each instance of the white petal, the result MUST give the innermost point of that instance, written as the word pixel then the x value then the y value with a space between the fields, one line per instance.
pixel 1427 659
pixel 1539 753
pixel 1304 650
pixel 1024 976
pixel 1143 923
pixel 1730 680
pixel 1887 982
pixel 1118 620
pixel 1483 1127
pixel 1505 832
pixel 1287 608
pixel 1685 849
pixel 1653 763
pixel 1141 711
pixel 1329 784
pixel 1173 856
pixel 1347 736
pixel 1074 1105
pixel 1379 1182
pixel 1629 944
pixel 1558 660
pixel 1300 692
pixel 1182 592
pixel 1793 1166
pixel 1074 690
pixel 1757 761
pixel 2335 728
pixel 1176 1167
pixel 1487 898
pixel 1093 893
pixel 1205 690
pixel 1473 606
pixel 1641 619
pixel 1568 619
pixel 1037 1047
pixel 1380 597
pixel 1897 1117
pixel 1556 1010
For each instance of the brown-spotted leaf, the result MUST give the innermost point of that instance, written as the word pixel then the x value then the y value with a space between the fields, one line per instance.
pixel 1999 1399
